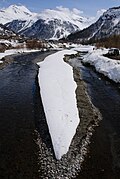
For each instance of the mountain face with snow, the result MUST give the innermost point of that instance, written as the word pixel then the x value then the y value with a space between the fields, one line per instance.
pixel 15 12
pixel 108 24
pixel 20 17
pixel 19 25
pixel 5 32
pixel 53 29
pixel 49 24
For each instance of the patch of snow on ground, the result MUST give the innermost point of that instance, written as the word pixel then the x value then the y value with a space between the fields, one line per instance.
pixel 14 51
pixel 84 48
pixel 57 89
pixel 106 66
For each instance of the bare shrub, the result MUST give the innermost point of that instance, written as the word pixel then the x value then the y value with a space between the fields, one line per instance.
pixel 35 44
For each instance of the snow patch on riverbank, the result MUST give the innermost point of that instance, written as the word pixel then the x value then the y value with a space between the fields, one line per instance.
pixel 14 51
pixel 106 66
pixel 84 48
pixel 57 89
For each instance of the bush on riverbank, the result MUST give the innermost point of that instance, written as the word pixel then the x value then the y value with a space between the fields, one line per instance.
pixel 35 44
pixel 110 42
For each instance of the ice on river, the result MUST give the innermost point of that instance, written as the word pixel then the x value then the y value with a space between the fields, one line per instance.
pixel 57 89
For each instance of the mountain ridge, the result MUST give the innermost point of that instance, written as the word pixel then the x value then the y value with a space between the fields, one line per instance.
pixel 108 24
pixel 62 21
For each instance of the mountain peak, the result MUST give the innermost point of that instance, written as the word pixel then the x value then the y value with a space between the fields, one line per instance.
pixel 17 9
pixel 65 14
pixel 107 25
pixel 60 21
pixel 113 11
pixel 15 12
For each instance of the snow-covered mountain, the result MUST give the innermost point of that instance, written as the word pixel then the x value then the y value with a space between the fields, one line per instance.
pixel 65 15
pixel 49 24
pixel 108 24
pixel 19 13
pixel 15 12
pixel 54 29
pixel 5 32
pixel 55 24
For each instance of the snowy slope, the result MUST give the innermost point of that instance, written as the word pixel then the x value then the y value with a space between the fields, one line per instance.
pixel 15 12
pixel 57 89
pixel 57 23
pixel 65 14
pixel 4 31
pixel 19 13
pixel 61 21
pixel 108 24
pixel 106 66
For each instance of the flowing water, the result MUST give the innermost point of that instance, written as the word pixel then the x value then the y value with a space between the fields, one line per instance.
pixel 18 150
pixel 20 109
pixel 103 160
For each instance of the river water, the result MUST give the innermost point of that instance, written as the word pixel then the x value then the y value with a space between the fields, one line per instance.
pixel 19 119
pixel 103 160
pixel 18 150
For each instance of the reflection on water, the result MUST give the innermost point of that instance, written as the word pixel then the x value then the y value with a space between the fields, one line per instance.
pixel 103 160
pixel 18 150
pixel 21 107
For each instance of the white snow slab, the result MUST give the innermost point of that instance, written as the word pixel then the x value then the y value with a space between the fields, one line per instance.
pixel 15 51
pixel 106 66
pixel 84 48
pixel 57 89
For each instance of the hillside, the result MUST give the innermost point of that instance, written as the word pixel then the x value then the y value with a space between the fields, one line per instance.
pixel 48 24
pixel 107 25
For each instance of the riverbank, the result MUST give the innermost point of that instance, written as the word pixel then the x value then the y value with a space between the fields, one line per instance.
pixel 21 101
pixel 18 148
pixel 102 160
pixel 71 163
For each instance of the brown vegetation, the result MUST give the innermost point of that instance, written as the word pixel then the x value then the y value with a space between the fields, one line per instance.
pixel 4 47
pixel 35 44
pixel 112 41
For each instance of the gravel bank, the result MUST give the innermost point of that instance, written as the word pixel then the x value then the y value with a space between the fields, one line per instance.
pixel 71 163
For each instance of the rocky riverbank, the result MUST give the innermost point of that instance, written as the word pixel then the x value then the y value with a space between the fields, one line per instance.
pixel 71 163
pixel 22 68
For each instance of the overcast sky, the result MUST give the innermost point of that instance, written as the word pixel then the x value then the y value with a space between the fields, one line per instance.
pixel 89 7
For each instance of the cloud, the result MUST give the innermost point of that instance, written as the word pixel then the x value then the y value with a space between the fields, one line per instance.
pixel 77 11
pixel 61 8
pixel 74 10
pixel 100 12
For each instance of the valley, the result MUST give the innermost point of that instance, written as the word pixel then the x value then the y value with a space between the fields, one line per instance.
pixel 59 93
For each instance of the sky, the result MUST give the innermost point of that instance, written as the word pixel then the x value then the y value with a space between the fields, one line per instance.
pixel 89 7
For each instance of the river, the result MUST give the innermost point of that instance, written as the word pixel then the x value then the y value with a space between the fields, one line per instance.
pixel 18 150
pixel 103 159
pixel 21 114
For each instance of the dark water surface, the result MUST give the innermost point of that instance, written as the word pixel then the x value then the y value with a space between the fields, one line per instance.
pixel 103 160
pixel 18 150
pixel 19 117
